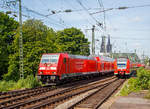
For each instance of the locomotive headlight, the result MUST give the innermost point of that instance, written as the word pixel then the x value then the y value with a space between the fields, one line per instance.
pixel 54 72
pixel 41 72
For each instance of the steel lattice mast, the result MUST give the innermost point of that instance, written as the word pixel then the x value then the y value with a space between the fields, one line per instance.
pixel 20 42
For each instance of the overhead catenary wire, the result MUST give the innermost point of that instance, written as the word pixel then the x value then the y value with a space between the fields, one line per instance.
pixel 60 18
pixel 24 8
pixel 78 12
pixel 127 38
pixel 45 16
pixel 121 8
pixel 104 22
pixel 98 23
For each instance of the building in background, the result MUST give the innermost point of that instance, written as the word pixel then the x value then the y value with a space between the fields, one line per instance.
pixel 109 45
pixel 106 49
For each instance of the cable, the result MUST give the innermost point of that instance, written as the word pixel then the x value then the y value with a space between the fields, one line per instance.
pixel 121 8
pixel 98 23
pixel 37 13
pixel 53 14
pixel 139 6
pixel 78 12
pixel 128 38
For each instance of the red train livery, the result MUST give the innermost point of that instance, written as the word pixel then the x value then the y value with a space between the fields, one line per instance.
pixel 58 66
pixel 122 67
pixel 104 64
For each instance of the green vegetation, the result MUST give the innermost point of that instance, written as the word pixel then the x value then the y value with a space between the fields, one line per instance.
pixel 37 39
pixel 73 41
pixel 29 82
pixel 8 28
pixel 141 82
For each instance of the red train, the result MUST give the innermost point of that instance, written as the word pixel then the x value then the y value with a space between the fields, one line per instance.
pixel 124 67
pixel 59 66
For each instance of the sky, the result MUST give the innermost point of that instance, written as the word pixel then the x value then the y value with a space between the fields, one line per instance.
pixel 129 29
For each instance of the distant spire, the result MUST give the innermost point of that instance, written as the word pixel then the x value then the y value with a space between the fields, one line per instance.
pixel 109 46
pixel 102 45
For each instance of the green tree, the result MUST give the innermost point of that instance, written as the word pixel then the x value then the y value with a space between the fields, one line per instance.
pixel 73 41
pixel 37 39
pixel 8 28
pixel 146 60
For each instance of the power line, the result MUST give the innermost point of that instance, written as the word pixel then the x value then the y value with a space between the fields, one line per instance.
pixel 126 38
pixel 121 8
pixel 78 12
pixel 28 16
pixel 9 6
pixel 42 15
pixel 61 20
pixel 101 5
pixel 129 38
pixel 98 23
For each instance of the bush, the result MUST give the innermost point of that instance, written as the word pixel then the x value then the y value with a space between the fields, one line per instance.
pixel 131 86
pixel 29 82
pixel 6 85
pixel 141 82
pixel 143 78
pixel 148 95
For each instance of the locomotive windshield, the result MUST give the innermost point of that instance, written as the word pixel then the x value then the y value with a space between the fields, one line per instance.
pixel 121 63
pixel 50 58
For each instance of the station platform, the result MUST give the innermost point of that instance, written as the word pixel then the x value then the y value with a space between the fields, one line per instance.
pixel 132 101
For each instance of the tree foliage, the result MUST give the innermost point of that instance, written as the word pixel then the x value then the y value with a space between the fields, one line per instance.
pixel 73 41
pixel 8 28
pixel 37 39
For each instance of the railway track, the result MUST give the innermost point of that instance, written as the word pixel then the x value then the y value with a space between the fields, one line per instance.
pixel 52 99
pixel 16 97
pixel 11 94
pixel 97 98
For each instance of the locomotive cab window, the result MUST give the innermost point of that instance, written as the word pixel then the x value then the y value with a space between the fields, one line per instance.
pixel 50 58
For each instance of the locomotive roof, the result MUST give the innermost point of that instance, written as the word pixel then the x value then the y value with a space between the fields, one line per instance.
pixel 122 59
pixel 82 57
pixel 73 56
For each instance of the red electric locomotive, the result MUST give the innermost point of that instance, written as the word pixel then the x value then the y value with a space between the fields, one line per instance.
pixel 122 67
pixel 58 66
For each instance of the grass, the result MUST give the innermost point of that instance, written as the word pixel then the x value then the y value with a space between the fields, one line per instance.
pixel 141 82
pixel 148 95
pixel 29 82
pixel 129 87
